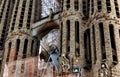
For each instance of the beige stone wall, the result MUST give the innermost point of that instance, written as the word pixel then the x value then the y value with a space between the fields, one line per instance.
pixel 94 19
pixel 72 15
pixel 20 33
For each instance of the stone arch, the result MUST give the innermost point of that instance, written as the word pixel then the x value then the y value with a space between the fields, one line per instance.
pixel 43 33
pixel 47 28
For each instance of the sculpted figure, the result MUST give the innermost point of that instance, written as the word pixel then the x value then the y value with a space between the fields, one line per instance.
pixel 104 70
pixel 51 14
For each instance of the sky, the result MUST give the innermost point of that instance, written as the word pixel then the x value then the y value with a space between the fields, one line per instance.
pixel 52 4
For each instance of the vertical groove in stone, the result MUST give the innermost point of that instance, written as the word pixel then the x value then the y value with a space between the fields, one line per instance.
pixel 94 44
pixel 14 15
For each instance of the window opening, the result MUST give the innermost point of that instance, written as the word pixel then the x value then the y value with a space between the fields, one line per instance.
pixel 25 48
pixel 99 5
pixel 103 51
pixel 112 39
pixel 77 49
pixel 17 48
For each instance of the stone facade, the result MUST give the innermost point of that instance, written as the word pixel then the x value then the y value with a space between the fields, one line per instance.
pixel 90 35
pixel 98 35
pixel 17 42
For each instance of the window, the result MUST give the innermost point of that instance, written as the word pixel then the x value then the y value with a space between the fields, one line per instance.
pixel 92 7
pixel 117 8
pixel 0 2
pixel 1 43
pixel 37 48
pixel 29 14
pixel 76 5
pixel 2 9
pixel 87 47
pixel 77 50
pixel 15 14
pixel 22 14
pixel 25 48
pixel 2 39
pixel 88 8
pixel 94 44
pixel 108 6
pixel 99 5
pixel 62 4
pixel 17 48
pixel 84 7
pixel 22 68
pixel 68 29
pixel 102 40
pixel 67 4
pixel 68 37
pixel 32 44
pixel 9 49
pixel 7 19
pixel 112 39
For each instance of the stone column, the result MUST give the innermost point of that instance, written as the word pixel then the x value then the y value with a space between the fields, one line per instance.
pixel 116 36
pixel 64 35
pixel 104 9
pixel 107 42
pixel 98 49
pixel 113 12
pixel 72 37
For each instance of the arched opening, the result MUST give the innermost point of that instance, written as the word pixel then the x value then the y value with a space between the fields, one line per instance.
pixel 99 5
pixel 108 5
pixel 76 5
pixel 77 40
pixel 94 43
pixel 49 35
pixel 32 44
pixel 92 7
pixel 117 8
pixel 22 14
pixel 68 4
pixel 113 43
pixel 86 7
pixel 17 48
pixel 87 47
pixel 68 38
pixel 25 48
pixel 102 41
pixel 9 49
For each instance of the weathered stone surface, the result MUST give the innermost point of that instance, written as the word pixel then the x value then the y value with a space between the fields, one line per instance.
pixel 26 65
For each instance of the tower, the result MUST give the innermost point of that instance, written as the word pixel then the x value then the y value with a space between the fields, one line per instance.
pixel 6 8
pixel 71 29
pixel 73 26
pixel 90 31
pixel 103 23
pixel 18 44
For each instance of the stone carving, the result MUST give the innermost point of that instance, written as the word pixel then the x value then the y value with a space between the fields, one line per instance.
pixel 104 70
pixel 115 70
pixel 64 63
pixel 101 16
pixel 20 33
pixel 51 14
pixel 67 14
